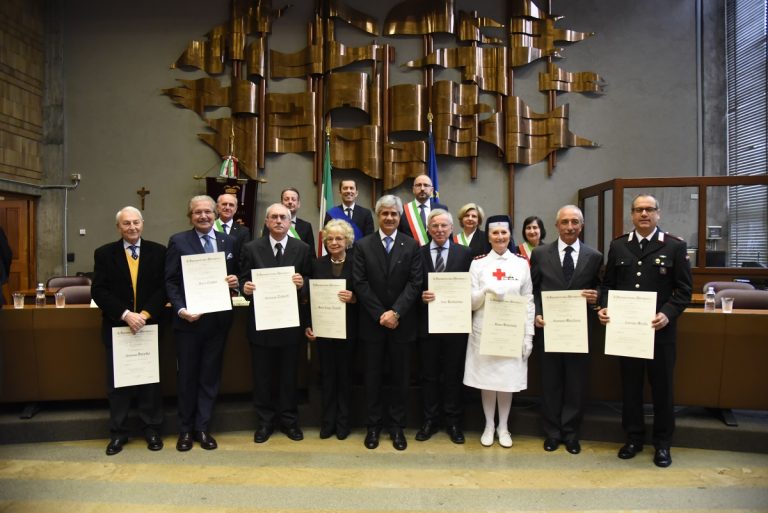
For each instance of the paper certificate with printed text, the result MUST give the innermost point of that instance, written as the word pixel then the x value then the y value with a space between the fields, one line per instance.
pixel 135 358
pixel 565 318
pixel 451 311
pixel 629 332
pixel 504 325
pixel 205 283
pixel 329 313
pixel 275 302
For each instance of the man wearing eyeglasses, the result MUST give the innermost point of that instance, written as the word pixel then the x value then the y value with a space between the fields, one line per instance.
pixel 648 259
pixel 199 338
pixel 275 350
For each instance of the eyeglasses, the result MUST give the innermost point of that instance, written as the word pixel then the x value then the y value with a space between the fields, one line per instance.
pixel 422 186
pixel 640 210
pixel 202 212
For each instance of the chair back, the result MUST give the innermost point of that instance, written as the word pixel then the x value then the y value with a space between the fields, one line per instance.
pixel 66 281
pixel 720 285
pixel 747 299
pixel 77 294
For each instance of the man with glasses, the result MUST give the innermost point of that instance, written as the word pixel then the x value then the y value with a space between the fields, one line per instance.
pixel 275 350
pixel 199 338
pixel 414 219
pixel 648 259
pixel 442 354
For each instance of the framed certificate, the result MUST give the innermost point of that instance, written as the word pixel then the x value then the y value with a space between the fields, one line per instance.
pixel 275 302
pixel 504 325
pixel 629 332
pixel 329 313
pixel 565 318
pixel 451 311
pixel 135 358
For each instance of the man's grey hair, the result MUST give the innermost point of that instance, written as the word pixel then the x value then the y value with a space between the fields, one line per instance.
pixel 439 212
pixel 266 212
pixel 128 209
pixel 202 197
pixel 569 207
pixel 389 201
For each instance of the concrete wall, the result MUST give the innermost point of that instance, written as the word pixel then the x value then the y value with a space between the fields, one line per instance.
pixel 121 133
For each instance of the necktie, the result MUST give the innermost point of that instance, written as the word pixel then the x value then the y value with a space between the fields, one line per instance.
pixel 422 215
pixel 278 252
pixel 568 264
pixel 388 243
pixel 349 212
pixel 642 243
pixel 207 246
pixel 134 255
pixel 439 262
pixel 225 227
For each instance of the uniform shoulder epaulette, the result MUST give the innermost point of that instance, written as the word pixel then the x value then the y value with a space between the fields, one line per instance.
pixel 478 257
pixel 623 235
pixel 674 236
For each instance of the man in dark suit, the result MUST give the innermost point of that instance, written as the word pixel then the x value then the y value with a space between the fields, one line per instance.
pixel 128 286
pixel 226 207
pixel 299 229
pixel 200 338
pixel 441 353
pixel 276 349
pixel 358 216
pixel 387 279
pixel 648 259
pixel 566 264
pixel 413 221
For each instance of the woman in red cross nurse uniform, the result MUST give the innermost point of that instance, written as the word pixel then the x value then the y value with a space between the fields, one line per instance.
pixel 499 365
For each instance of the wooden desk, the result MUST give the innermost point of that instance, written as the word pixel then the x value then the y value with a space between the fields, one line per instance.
pixel 51 354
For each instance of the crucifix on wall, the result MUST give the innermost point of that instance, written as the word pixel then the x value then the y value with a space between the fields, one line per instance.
pixel 142 192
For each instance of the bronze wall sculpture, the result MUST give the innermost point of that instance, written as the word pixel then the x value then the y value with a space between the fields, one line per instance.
pixel 485 52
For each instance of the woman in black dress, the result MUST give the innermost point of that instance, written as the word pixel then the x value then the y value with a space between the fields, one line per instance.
pixel 336 355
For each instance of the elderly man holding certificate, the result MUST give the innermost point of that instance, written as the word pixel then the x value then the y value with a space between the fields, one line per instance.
pixel 566 275
pixel 200 268
pixel 502 329
pixel 274 271
pixel 651 261
pixel 446 319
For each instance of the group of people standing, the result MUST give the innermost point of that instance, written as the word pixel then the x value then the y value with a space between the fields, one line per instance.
pixel 386 292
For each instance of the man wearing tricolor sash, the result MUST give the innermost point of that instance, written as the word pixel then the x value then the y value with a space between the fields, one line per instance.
pixel 415 213
pixel 359 217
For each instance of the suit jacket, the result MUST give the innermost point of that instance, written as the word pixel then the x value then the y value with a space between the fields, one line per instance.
pixel 240 235
pixel 387 282
pixel 188 243
pixel 112 289
pixel 406 228
pixel 459 260
pixel 661 267
pixel 479 244
pixel 305 231
pixel 258 254
pixel 547 274
pixel 361 216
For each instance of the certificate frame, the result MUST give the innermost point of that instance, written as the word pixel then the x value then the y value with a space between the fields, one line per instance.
pixel 451 311
pixel 503 326
pixel 205 283
pixel 135 357
pixel 566 329
pixel 329 313
pixel 275 302
pixel 629 331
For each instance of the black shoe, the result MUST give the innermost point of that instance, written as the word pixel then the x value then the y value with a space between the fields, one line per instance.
pixel 427 430
pixel 551 444
pixel 573 446
pixel 184 443
pixel 629 450
pixel 326 432
pixel 293 432
pixel 455 434
pixel 662 458
pixel 154 442
pixel 342 432
pixel 398 439
pixel 372 438
pixel 116 445
pixel 262 434
pixel 206 441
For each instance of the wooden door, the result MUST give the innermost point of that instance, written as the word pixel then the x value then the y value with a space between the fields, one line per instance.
pixel 17 217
